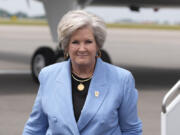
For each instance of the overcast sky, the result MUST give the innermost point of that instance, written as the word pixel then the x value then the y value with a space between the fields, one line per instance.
pixel 109 14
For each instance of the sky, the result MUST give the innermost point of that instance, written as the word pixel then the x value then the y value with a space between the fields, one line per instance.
pixel 110 14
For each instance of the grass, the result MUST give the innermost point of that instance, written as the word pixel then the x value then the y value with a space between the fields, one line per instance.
pixel 14 21
pixel 145 26
pixel 43 22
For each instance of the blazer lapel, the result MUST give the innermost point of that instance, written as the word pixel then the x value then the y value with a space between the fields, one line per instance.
pixel 64 96
pixel 96 95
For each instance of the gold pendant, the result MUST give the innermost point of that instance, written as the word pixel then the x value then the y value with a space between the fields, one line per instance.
pixel 80 87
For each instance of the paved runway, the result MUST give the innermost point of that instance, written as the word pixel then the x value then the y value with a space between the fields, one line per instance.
pixel 151 55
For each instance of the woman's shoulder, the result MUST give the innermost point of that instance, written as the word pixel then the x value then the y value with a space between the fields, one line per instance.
pixel 51 70
pixel 54 67
pixel 118 74
pixel 117 69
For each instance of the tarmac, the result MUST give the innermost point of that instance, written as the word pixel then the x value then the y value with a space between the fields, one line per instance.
pixel 151 55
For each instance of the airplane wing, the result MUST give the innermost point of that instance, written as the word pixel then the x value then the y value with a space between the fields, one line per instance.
pixel 140 3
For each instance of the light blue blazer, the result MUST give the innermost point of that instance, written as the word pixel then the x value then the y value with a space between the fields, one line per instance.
pixel 113 111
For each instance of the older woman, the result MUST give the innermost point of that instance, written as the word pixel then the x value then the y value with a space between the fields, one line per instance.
pixel 84 95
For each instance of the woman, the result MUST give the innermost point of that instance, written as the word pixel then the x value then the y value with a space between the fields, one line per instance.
pixel 84 95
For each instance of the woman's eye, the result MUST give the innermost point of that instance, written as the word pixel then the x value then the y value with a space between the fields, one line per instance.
pixel 88 41
pixel 75 42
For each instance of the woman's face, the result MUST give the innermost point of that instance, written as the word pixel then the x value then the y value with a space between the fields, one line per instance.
pixel 82 47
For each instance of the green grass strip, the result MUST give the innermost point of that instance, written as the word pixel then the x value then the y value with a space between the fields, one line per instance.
pixel 23 22
pixel 144 26
pixel 43 22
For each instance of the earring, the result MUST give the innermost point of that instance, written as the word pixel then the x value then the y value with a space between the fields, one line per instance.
pixel 66 55
pixel 98 54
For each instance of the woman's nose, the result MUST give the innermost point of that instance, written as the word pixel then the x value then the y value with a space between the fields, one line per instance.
pixel 82 47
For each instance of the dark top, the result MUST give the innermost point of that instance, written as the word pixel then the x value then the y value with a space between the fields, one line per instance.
pixel 79 97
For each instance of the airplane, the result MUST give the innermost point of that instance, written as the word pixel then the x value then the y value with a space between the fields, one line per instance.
pixel 55 9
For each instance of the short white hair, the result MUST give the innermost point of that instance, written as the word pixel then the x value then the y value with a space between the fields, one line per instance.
pixel 76 19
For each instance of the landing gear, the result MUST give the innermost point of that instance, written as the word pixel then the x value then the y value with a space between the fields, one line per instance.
pixel 43 56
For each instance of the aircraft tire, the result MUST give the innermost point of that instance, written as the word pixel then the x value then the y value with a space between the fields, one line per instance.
pixel 43 56
pixel 105 57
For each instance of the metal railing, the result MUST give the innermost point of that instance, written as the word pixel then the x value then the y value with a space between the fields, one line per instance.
pixel 171 92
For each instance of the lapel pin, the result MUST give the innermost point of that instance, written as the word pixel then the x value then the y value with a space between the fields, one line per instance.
pixel 96 93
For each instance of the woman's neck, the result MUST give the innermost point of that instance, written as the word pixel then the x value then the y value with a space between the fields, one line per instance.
pixel 83 71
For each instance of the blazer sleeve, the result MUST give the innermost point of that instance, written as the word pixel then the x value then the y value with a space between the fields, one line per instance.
pixel 128 116
pixel 37 123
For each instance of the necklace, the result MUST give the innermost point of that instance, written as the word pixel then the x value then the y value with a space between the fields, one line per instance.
pixel 81 86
